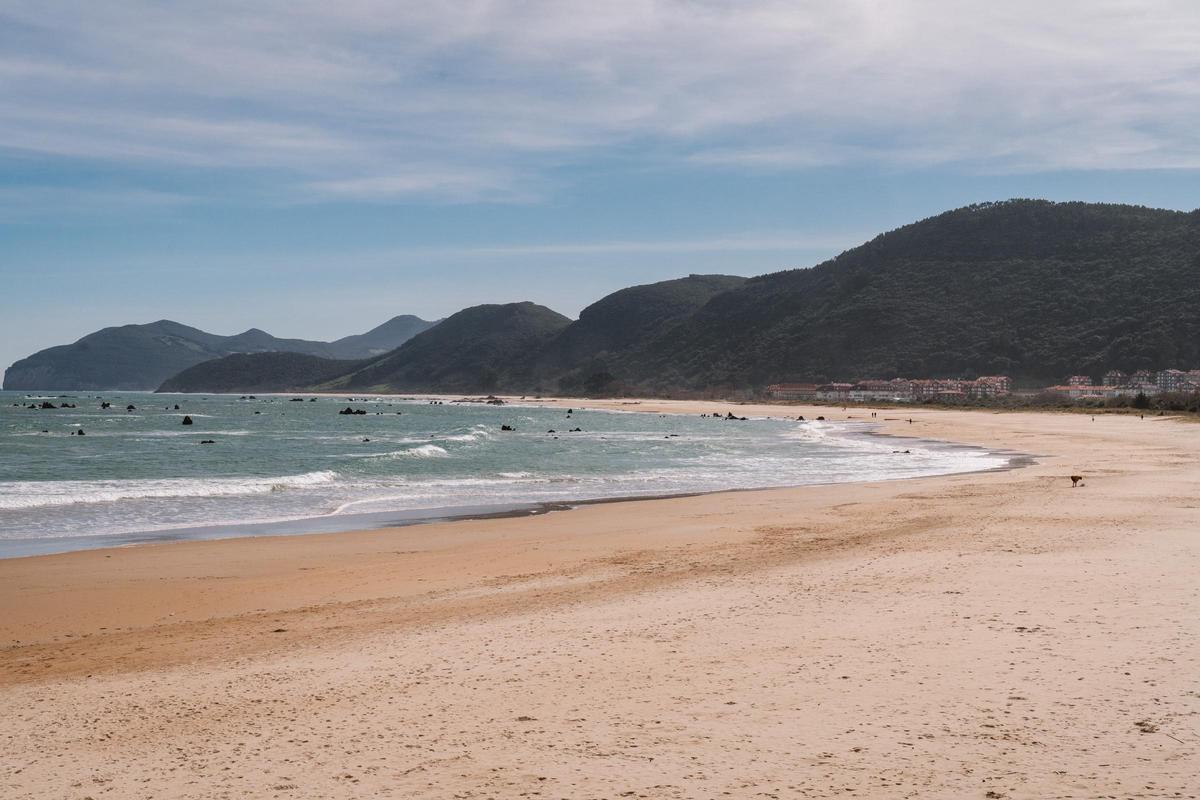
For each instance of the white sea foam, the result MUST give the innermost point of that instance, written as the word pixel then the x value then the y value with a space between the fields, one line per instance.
pixel 46 494
pixel 423 451
pixel 446 457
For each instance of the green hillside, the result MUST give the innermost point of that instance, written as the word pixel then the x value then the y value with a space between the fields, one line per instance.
pixel 483 348
pixel 257 372
pixel 1033 289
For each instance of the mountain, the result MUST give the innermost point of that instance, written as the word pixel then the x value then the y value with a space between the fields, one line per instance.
pixel 257 372
pixel 143 356
pixel 515 347
pixel 478 349
pixel 377 341
pixel 1028 288
pixel 623 320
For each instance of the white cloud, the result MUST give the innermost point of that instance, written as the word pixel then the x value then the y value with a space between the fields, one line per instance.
pixel 25 203
pixel 427 181
pixel 475 100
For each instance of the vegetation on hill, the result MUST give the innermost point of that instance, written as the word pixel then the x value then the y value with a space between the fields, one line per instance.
pixel 143 356
pixel 483 348
pixel 125 357
pixel 577 357
pixel 377 341
pixel 241 373
pixel 1032 289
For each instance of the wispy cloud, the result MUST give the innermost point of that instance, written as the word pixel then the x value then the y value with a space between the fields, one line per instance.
pixel 374 101
pixel 26 203
pixel 430 181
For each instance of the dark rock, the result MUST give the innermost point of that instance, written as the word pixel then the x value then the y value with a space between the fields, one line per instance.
pixel 507 428
pixel 207 441
pixel 187 420
pixel 131 407
pixel 46 405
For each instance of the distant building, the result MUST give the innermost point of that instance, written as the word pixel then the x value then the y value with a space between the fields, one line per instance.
pixel 1079 380
pixel 792 391
pixel 839 392
pixel 991 386
pixel 896 390
pixel 1077 391
pixel 1172 380
pixel 1114 377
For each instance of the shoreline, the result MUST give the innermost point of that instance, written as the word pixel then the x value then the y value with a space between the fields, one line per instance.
pixel 938 636
pixel 368 521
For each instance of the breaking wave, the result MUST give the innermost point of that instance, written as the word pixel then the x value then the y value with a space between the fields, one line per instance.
pixel 47 494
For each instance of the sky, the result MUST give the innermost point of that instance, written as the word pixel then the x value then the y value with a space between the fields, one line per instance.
pixel 314 168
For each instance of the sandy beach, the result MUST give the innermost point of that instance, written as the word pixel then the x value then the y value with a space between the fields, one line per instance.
pixel 991 635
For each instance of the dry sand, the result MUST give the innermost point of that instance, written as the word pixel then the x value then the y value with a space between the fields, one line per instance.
pixel 988 635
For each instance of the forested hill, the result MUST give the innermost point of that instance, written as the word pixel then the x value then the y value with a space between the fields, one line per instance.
pixel 1033 289
pixel 483 348
pixel 143 356
pixel 1027 288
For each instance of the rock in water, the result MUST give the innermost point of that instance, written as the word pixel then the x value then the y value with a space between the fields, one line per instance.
pixel 187 420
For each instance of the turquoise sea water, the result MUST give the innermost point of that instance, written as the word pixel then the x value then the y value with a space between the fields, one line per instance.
pixel 287 466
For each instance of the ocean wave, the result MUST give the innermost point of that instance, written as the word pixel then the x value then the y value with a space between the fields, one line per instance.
pixel 47 494
pixel 423 451
pixel 476 433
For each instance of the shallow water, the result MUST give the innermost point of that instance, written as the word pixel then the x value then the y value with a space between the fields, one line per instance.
pixel 143 472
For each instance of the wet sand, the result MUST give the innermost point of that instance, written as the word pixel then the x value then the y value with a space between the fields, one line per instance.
pixel 995 634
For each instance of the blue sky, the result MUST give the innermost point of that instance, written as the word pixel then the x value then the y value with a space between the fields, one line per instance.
pixel 314 168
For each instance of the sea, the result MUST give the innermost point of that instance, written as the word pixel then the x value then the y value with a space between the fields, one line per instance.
pixel 120 468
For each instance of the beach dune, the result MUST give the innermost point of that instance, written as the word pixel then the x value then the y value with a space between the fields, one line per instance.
pixel 996 634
